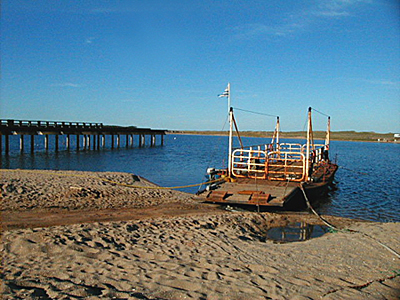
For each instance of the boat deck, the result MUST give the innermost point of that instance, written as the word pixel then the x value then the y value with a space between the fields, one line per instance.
pixel 254 192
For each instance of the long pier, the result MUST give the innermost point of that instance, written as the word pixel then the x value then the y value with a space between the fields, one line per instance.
pixel 86 135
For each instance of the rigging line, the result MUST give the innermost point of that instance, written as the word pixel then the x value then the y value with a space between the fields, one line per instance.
pixel 344 230
pixel 214 150
pixel 305 124
pixel 320 112
pixel 237 131
pixel 254 112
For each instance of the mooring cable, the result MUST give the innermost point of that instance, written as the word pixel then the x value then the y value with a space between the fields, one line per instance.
pixel 344 230
pixel 355 171
pixel 112 181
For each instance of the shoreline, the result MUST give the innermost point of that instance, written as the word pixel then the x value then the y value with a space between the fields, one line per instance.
pixel 103 240
pixel 269 136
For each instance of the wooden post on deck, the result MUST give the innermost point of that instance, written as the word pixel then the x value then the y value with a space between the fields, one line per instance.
pixel 162 140
pixel 118 140
pixel 1 144
pixel 153 140
pixel 112 141
pixel 309 143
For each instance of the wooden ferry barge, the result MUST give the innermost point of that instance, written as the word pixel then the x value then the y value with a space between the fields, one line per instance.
pixel 273 175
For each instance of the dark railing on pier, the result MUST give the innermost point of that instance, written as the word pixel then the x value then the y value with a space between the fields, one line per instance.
pixel 89 135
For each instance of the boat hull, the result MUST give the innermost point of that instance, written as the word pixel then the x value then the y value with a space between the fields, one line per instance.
pixel 267 194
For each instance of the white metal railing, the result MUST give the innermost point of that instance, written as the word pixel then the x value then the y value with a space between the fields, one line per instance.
pixel 290 147
pixel 262 147
pixel 249 163
pixel 273 165
pixel 285 162
pixel 317 155
pixel 286 166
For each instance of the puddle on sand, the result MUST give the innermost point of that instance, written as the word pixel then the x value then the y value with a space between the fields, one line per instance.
pixel 295 232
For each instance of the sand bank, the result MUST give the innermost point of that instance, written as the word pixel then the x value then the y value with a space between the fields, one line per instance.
pixel 23 190
pixel 210 255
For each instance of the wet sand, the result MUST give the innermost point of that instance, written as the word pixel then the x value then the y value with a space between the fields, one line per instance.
pixel 132 243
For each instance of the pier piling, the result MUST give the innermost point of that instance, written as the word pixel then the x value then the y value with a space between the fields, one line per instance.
pixel 77 142
pixel 46 142
pixel 7 143
pixel 56 142
pixel 21 143
pixel 32 143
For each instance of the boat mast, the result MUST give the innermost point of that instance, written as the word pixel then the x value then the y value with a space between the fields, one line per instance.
pixel 328 134
pixel 275 136
pixel 277 133
pixel 309 129
pixel 230 141
pixel 229 98
pixel 230 112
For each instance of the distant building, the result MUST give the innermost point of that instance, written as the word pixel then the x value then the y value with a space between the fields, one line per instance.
pixel 397 135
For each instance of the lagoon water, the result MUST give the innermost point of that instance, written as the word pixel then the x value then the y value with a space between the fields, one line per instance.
pixel 367 182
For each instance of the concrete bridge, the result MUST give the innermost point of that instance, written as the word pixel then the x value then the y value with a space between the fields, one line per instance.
pixel 86 135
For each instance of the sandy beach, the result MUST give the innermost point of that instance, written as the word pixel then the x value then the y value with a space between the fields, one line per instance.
pixel 79 235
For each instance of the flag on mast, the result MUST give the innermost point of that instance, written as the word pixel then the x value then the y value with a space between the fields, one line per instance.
pixel 225 93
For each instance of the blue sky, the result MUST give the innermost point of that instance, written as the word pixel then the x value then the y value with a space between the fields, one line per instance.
pixel 161 64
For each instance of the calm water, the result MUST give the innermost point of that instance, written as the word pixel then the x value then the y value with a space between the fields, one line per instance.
pixel 368 185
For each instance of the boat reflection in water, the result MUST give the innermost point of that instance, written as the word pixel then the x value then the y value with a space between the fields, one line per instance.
pixel 295 232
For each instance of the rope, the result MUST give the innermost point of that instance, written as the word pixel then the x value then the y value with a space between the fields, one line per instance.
pixel 305 124
pixel 320 112
pixel 214 150
pixel 345 230
pixel 254 112
pixel 287 184
pixel 237 131
pixel 358 172
pixel 314 212
pixel 115 182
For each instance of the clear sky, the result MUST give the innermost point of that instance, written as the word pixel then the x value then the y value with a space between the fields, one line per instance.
pixel 161 64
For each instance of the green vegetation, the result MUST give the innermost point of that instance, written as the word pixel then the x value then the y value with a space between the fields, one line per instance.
pixel 335 135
